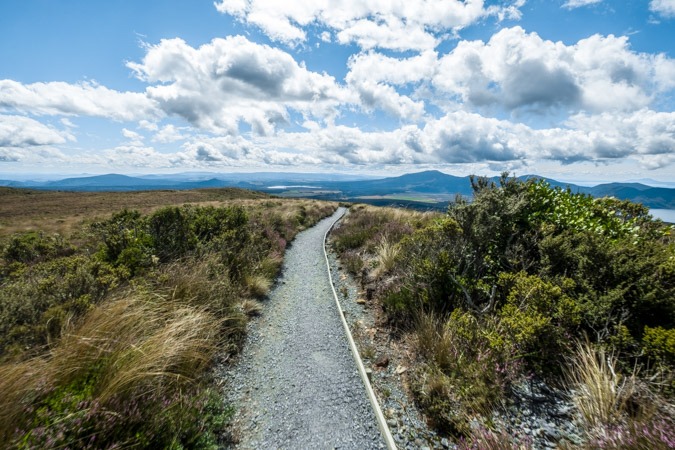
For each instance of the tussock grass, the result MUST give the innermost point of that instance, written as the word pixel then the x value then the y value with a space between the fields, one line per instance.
pixel 601 394
pixel 386 255
pixel 258 285
pixel 251 308
pixel 435 341
pixel 134 347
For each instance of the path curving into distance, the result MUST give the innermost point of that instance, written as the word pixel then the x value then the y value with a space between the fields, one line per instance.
pixel 296 384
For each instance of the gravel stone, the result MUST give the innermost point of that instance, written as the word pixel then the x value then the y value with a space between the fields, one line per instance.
pixel 295 384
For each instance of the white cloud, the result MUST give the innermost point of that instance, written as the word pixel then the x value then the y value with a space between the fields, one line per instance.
pixel 82 99
pixel 132 135
pixel 168 134
pixel 225 82
pixel 398 71
pixel 467 138
pixel 572 4
pixel 648 134
pixel 396 24
pixel 20 131
pixel 373 75
pixel 666 8
pixel 133 155
pixel 519 70
pixel 32 156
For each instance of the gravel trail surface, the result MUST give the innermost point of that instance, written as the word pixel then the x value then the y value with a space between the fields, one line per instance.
pixel 296 384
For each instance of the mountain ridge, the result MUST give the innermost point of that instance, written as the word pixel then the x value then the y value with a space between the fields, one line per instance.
pixel 424 183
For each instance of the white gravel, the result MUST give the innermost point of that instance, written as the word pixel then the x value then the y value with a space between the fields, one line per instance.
pixel 295 384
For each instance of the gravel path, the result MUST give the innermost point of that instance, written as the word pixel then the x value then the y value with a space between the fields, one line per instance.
pixel 295 384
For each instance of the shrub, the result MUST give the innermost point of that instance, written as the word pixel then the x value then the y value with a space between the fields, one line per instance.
pixel 32 247
pixel 659 344
pixel 172 233
pixel 533 268
pixel 461 369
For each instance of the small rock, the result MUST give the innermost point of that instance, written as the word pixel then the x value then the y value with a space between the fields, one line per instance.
pixel 445 443
pixel 383 361
pixel 400 369
pixel 360 301
pixel 392 423
pixel 551 433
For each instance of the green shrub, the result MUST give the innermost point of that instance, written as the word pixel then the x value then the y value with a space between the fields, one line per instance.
pixel 529 268
pixel 659 344
pixel 32 247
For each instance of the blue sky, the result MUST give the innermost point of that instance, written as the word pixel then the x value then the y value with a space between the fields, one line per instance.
pixel 579 90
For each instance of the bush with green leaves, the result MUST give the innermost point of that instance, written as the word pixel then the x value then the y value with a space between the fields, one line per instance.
pixel 537 267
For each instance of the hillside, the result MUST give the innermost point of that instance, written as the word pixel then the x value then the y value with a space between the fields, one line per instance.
pixel 427 189
pixel 112 321
pixel 58 211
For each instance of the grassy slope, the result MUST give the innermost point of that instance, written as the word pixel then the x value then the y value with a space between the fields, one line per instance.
pixel 112 347
pixel 61 211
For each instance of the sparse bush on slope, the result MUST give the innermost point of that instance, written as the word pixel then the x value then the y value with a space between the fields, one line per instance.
pixel 506 284
pixel 111 346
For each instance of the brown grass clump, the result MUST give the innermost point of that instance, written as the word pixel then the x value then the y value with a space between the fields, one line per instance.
pixel 135 346
pixel 386 254
pixel 601 394
pixel 251 308
pixel 258 285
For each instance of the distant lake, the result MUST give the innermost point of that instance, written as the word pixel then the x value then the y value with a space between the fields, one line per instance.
pixel 667 215
pixel 294 187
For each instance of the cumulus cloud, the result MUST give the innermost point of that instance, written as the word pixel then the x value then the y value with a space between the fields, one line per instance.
pixel 26 140
pixel 396 25
pixel 468 138
pixel 168 134
pixel 666 8
pixel 133 155
pixel 572 4
pixel 20 131
pixel 225 82
pixel 81 99
pixel 373 77
pixel 520 70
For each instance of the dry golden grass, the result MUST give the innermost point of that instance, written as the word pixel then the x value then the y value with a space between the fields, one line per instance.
pixel 386 255
pixel 434 339
pixel 139 344
pixel 61 212
pixel 251 308
pixel 601 394
pixel 258 285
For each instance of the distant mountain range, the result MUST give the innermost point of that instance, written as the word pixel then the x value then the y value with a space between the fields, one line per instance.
pixel 423 189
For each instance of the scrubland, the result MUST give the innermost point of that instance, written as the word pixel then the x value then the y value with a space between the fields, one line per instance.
pixel 527 282
pixel 111 318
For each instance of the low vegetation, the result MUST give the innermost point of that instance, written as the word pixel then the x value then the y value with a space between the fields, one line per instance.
pixel 528 281
pixel 108 334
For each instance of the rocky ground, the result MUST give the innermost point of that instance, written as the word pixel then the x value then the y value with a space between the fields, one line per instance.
pixel 295 384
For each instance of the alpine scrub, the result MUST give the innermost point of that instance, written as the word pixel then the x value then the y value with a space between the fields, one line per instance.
pixel 108 338
pixel 506 287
